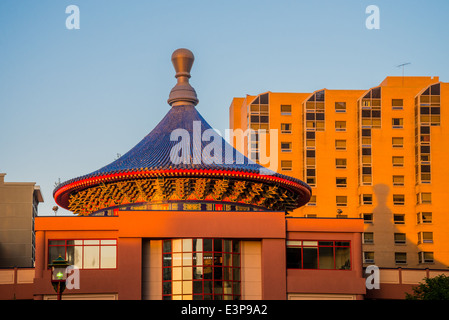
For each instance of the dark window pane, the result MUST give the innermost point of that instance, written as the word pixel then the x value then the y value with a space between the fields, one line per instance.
pixel 320 95
pixel 425 130
pixel 218 245
pixel 320 116
pixel 166 288
pixel 235 246
pixel 166 246
pixel 166 262
pixel 236 260
pixel 326 257
pixel 208 287
pixel 435 110
pixel 197 286
pixel 293 258
pixel 166 274
pixel 218 288
pixel 264 99
pixel 236 274
pixel 425 110
pixel 342 244
pixel 376 93
pixel 366 170
pixel 264 119
pixel 218 273
pixel 425 149
pixel 375 114
pixel 366 113
pixel 207 244
pixel 435 89
pixel 310 153
pixel 366 132
pixel 310 258
pixel 310 116
pixel 342 258
pixel 366 151
pixel 310 135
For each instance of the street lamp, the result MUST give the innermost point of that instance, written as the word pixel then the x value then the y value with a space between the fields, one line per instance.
pixel 59 275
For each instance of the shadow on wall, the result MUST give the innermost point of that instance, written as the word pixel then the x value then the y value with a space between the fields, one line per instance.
pixel 401 235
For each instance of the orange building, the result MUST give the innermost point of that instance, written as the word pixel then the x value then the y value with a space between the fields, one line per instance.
pixel 378 154
pixel 179 218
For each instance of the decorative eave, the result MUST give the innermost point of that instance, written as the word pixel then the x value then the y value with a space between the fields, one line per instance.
pixel 286 196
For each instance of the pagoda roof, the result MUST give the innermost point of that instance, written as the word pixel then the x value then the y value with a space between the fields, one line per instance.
pixel 175 149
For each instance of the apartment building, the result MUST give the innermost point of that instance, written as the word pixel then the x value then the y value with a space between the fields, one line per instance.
pixel 18 209
pixel 379 154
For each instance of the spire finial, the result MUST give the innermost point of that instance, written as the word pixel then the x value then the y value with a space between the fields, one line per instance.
pixel 182 93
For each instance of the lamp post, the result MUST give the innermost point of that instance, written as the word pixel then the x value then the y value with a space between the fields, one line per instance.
pixel 59 275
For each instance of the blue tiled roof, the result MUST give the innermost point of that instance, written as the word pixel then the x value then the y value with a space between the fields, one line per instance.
pixel 153 152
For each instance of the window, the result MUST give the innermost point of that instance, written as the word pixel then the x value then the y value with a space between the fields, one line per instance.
pixel 201 269
pixel 366 199
pixel 399 218
pixel 368 257
pixel 286 128
pixel 370 106
pixel 398 142
pixel 335 255
pixel 368 238
pixel 314 108
pixel 312 201
pixel 310 139
pixel 368 218
pixel 425 237
pixel 286 165
pixel 400 257
pixel 85 254
pixel 399 199
pixel 340 144
pixel 342 201
pixel 398 161
pixel 340 182
pixel 340 106
pixel 340 125
pixel 425 257
pixel 340 163
pixel 286 110
pixel 399 238
pixel 259 113
pixel 398 123
pixel 397 104
pixel 286 146
pixel 398 180
pixel 424 217
pixel 424 198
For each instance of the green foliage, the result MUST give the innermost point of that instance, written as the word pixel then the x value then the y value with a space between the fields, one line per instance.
pixel 436 288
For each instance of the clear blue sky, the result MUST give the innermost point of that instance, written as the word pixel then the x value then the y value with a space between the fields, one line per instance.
pixel 70 100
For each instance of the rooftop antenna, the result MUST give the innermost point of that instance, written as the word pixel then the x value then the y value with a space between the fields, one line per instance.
pixel 403 67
